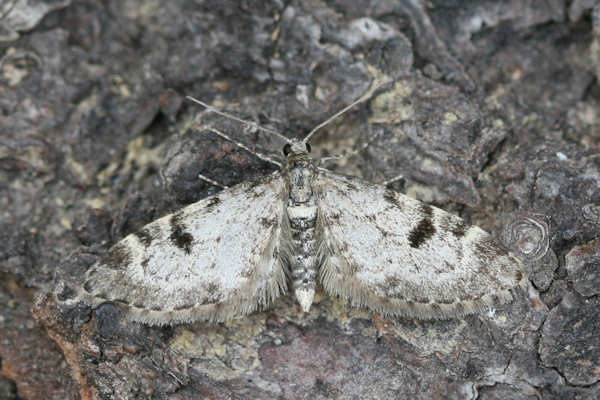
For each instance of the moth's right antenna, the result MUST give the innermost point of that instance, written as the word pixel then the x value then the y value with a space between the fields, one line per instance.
pixel 233 117
pixel 362 98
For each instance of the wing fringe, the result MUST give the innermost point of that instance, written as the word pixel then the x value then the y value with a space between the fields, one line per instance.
pixel 360 296
pixel 234 307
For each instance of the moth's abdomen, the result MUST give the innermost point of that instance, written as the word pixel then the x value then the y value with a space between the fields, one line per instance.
pixel 303 258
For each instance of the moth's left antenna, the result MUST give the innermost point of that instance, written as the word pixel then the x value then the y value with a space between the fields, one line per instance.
pixel 233 117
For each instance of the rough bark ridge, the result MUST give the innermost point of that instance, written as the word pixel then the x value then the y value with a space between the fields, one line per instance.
pixel 493 114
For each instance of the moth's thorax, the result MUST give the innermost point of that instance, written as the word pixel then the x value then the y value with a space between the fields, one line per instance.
pixel 300 172
pixel 303 260
pixel 300 183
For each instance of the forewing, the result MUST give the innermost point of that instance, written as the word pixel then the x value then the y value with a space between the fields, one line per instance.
pixel 212 260
pixel 399 256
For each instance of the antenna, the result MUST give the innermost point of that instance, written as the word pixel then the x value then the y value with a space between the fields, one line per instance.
pixel 362 98
pixel 233 117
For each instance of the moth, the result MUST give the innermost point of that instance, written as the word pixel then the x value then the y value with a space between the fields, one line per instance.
pixel 233 253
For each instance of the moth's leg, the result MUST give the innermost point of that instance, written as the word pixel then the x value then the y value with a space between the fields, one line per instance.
pixel 212 182
pixel 348 153
pixel 392 180
pixel 241 145
pixel 372 136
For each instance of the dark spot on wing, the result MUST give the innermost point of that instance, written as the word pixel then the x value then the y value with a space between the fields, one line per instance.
pixel 179 237
pixel 455 225
pixel 183 307
pixel 445 301
pixel 426 210
pixel 117 257
pixel 459 228
pixel 389 196
pixel 213 202
pixel 422 300
pixel 145 236
pixel 421 233
pixel 392 198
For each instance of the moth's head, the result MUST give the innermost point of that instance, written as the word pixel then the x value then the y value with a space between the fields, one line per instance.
pixel 296 151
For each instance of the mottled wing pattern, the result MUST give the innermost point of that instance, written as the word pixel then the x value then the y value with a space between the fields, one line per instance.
pixel 399 256
pixel 212 260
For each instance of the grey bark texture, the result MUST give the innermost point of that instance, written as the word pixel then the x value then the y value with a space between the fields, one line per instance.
pixel 493 113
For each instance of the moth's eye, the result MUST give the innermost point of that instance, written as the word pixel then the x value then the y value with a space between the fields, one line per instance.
pixel 308 147
pixel 286 149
